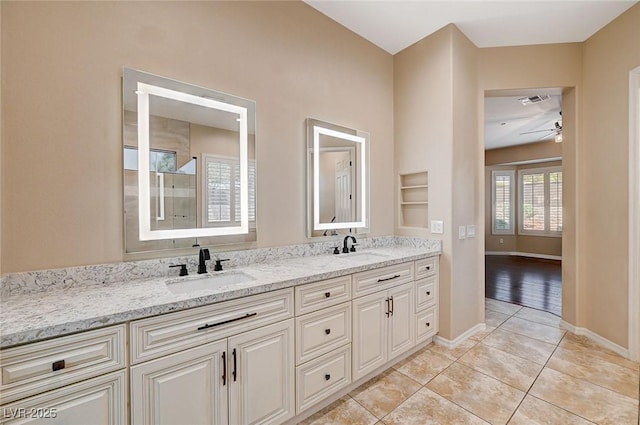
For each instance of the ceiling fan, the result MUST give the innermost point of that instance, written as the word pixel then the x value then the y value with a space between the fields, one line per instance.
pixel 557 129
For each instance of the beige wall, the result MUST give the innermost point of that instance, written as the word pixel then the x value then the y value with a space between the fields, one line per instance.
pixel 545 245
pixel 435 104
pixel 1 149
pixel 61 88
pixel 468 263
pixel 603 175
pixel 530 151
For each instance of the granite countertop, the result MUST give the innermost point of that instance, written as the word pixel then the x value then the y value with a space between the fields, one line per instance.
pixel 35 316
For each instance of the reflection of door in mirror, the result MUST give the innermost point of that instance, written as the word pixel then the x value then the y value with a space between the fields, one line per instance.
pixel 337 179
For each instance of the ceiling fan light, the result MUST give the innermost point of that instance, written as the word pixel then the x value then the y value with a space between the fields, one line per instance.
pixel 559 138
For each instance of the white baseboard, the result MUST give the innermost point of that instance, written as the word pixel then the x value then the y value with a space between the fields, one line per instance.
pixel 595 338
pixel 451 344
pixel 525 254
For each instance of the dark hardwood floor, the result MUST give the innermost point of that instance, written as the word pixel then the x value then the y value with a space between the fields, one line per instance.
pixel 525 281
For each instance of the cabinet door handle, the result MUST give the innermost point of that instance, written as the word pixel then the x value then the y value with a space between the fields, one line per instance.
pixel 428 292
pixel 428 324
pixel 224 368
pixel 327 331
pixel 389 278
pixel 391 299
pixel 234 365
pixel 387 307
pixel 327 294
pixel 224 322
pixel 57 365
pixel 427 268
pixel 327 377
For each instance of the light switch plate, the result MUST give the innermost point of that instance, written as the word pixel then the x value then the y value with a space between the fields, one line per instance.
pixel 471 230
pixel 437 226
pixel 462 232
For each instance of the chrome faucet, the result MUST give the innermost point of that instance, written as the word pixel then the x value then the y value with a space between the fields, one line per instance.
pixel 345 249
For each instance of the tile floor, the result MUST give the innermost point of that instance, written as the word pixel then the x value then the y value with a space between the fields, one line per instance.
pixel 522 370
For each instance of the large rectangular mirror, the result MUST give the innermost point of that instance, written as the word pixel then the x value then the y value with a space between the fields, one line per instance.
pixel 337 179
pixel 189 165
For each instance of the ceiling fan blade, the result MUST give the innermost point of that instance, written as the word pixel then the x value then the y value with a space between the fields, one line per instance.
pixel 538 131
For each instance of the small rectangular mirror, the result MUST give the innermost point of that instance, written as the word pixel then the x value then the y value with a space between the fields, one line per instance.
pixel 189 164
pixel 337 179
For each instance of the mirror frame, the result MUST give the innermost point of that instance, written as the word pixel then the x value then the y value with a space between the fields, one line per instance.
pixel 316 128
pixel 149 84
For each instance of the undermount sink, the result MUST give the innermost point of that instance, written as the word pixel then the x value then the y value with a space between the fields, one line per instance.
pixel 209 281
pixel 368 256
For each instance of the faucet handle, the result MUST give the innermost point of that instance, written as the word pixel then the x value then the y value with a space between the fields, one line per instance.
pixel 183 269
pixel 336 250
pixel 218 266
pixel 353 247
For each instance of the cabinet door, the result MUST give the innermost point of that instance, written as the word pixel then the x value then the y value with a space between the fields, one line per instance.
pixel 99 401
pixel 402 320
pixel 262 382
pixel 184 388
pixel 369 333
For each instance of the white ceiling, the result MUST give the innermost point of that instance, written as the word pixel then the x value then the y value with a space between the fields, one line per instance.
pixel 394 25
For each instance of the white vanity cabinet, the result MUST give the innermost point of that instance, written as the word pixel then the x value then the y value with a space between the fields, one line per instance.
pixel 75 379
pixel 427 287
pixel 227 363
pixel 383 327
pixel 323 340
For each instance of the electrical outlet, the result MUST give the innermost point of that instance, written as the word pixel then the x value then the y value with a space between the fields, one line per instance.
pixel 471 230
pixel 437 226
pixel 501 240
pixel 462 232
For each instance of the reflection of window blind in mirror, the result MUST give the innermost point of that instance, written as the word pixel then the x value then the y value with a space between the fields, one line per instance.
pixel 414 194
pixel 222 204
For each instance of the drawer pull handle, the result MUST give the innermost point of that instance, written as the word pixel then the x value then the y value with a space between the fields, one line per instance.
pixel 224 368
pixel 327 331
pixel 389 278
pixel 58 365
pixel 428 292
pixel 234 365
pixel 213 325
pixel 327 294
pixel 428 324
pixel 427 268
pixel 327 377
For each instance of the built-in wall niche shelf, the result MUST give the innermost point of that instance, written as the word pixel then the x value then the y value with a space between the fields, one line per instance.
pixel 414 199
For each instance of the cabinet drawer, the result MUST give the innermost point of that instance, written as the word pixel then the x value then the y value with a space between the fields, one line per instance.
pixel 382 278
pixel 320 332
pixel 98 401
pixel 426 292
pixel 42 366
pixel 322 377
pixel 170 333
pixel 426 267
pixel 426 324
pixel 326 293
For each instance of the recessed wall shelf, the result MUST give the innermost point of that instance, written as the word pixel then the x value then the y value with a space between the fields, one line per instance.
pixel 414 200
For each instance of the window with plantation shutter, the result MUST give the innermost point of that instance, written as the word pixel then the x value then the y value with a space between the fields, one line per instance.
pixel 222 191
pixel 503 190
pixel 540 201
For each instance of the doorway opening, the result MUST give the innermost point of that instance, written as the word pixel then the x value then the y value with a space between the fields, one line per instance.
pixel 523 197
